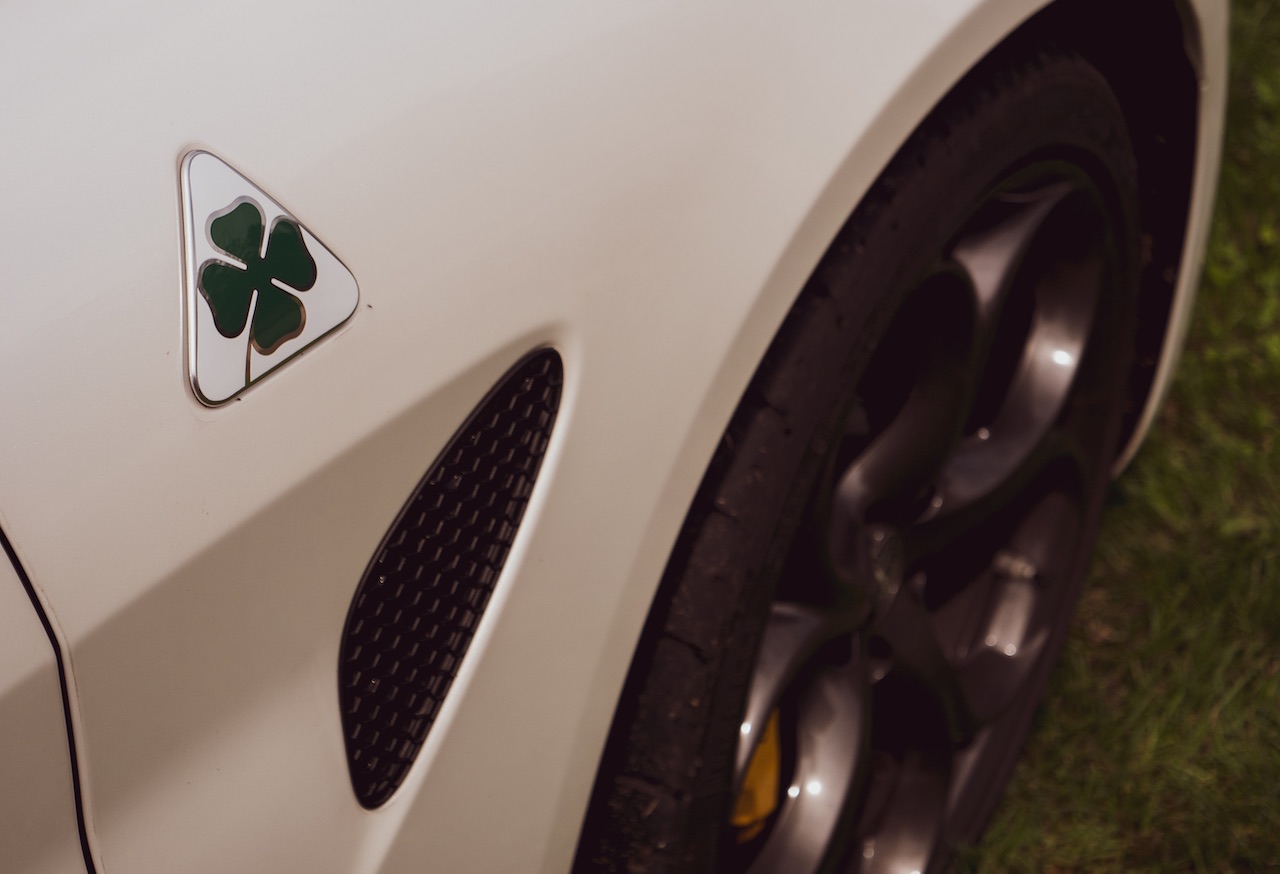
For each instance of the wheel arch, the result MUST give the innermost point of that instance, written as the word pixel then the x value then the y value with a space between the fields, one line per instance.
pixel 1175 129
pixel 1155 58
pixel 1166 62
pixel 776 402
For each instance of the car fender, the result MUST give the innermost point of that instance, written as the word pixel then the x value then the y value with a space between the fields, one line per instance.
pixel 644 186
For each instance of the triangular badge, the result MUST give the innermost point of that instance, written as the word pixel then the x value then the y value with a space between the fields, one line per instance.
pixel 260 287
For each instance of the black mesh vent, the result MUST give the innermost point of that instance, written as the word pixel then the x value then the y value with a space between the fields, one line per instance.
pixel 418 605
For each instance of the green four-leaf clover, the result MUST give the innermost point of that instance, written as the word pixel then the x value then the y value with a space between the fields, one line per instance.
pixel 286 268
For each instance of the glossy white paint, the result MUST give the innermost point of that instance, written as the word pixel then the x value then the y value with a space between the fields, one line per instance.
pixel 644 185
pixel 38 832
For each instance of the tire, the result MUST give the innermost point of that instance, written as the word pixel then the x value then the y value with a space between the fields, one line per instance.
pixel 883 557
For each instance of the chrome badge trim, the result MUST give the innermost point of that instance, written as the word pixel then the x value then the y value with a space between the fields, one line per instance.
pixel 259 287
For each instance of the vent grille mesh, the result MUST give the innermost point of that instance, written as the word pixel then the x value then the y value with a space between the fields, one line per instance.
pixel 416 609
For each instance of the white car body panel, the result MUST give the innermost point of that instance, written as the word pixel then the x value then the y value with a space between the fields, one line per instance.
pixel 498 176
pixel 38 831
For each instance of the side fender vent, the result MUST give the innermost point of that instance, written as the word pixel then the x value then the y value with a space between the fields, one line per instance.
pixel 417 608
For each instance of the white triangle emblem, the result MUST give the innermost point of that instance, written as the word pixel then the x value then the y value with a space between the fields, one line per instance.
pixel 260 287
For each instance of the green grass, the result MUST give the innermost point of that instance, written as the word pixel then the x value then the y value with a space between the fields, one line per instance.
pixel 1159 746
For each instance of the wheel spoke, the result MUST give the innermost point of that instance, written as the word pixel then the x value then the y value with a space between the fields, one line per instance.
pixel 973 688
pixel 825 700
pixel 992 256
pixel 979 483
pixel 1023 604
pixel 792 636
pixel 912 446
pixel 916 651
pixel 992 677
pixel 904 831
pixel 1036 269
pixel 832 748
pixel 908 450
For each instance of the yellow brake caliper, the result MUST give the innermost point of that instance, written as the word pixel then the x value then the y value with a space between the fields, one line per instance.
pixel 758 798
